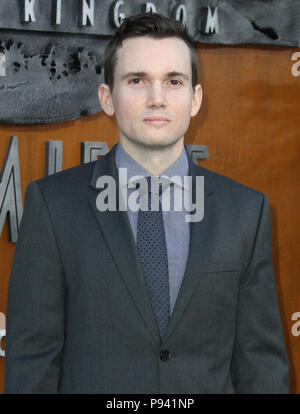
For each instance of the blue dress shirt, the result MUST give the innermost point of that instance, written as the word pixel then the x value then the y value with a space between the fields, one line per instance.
pixel 177 229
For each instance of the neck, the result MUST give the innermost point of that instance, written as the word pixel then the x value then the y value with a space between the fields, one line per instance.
pixel 154 159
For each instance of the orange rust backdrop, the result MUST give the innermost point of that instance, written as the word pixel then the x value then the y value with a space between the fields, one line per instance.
pixel 250 122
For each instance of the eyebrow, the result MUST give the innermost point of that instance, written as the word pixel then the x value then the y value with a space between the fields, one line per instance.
pixel 144 74
pixel 180 74
pixel 137 74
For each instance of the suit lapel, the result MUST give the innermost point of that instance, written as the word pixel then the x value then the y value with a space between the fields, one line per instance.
pixel 116 229
pixel 201 244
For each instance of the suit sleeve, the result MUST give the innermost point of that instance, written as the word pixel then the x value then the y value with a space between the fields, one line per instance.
pixel 259 360
pixel 35 308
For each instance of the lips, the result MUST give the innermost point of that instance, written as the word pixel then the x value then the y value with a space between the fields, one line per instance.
pixel 156 120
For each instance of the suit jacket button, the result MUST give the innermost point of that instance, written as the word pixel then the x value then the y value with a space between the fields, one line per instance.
pixel 165 355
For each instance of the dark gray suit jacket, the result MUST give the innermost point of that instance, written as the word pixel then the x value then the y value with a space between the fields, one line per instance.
pixel 79 319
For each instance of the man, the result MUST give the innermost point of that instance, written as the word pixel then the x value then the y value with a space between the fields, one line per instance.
pixel 125 301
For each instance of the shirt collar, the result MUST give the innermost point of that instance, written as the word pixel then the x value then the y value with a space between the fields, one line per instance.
pixel 179 168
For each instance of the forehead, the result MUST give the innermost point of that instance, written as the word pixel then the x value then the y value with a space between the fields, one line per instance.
pixel 144 54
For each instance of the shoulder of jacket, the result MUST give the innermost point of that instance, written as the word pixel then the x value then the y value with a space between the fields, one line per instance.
pixel 68 177
pixel 228 186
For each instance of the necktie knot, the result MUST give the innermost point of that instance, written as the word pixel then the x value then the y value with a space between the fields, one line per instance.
pixel 154 192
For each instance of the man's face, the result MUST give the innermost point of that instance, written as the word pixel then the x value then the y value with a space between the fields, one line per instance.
pixel 152 98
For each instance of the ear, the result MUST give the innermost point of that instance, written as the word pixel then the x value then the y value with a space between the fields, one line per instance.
pixel 105 99
pixel 197 100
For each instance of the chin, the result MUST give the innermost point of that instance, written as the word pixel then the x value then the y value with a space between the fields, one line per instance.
pixel 155 141
pixel 159 145
pixel 159 139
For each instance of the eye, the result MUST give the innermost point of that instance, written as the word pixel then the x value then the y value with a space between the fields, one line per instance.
pixel 135 81
pixel 175 82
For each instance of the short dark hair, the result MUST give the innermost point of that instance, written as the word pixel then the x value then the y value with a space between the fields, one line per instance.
pixel 151 25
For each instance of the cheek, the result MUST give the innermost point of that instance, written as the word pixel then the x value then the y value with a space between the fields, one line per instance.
pixel 180 103
pixel 183 112
pixel 128 106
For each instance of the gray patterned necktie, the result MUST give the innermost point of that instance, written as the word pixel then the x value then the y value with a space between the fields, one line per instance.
pixel 152 251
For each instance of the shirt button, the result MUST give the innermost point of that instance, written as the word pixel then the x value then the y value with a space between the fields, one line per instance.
pixel 165 355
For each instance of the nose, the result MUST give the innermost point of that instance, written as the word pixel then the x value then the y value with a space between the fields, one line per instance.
pixel 156 97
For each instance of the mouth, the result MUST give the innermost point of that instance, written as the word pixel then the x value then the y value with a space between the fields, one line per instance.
pixel 156 120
